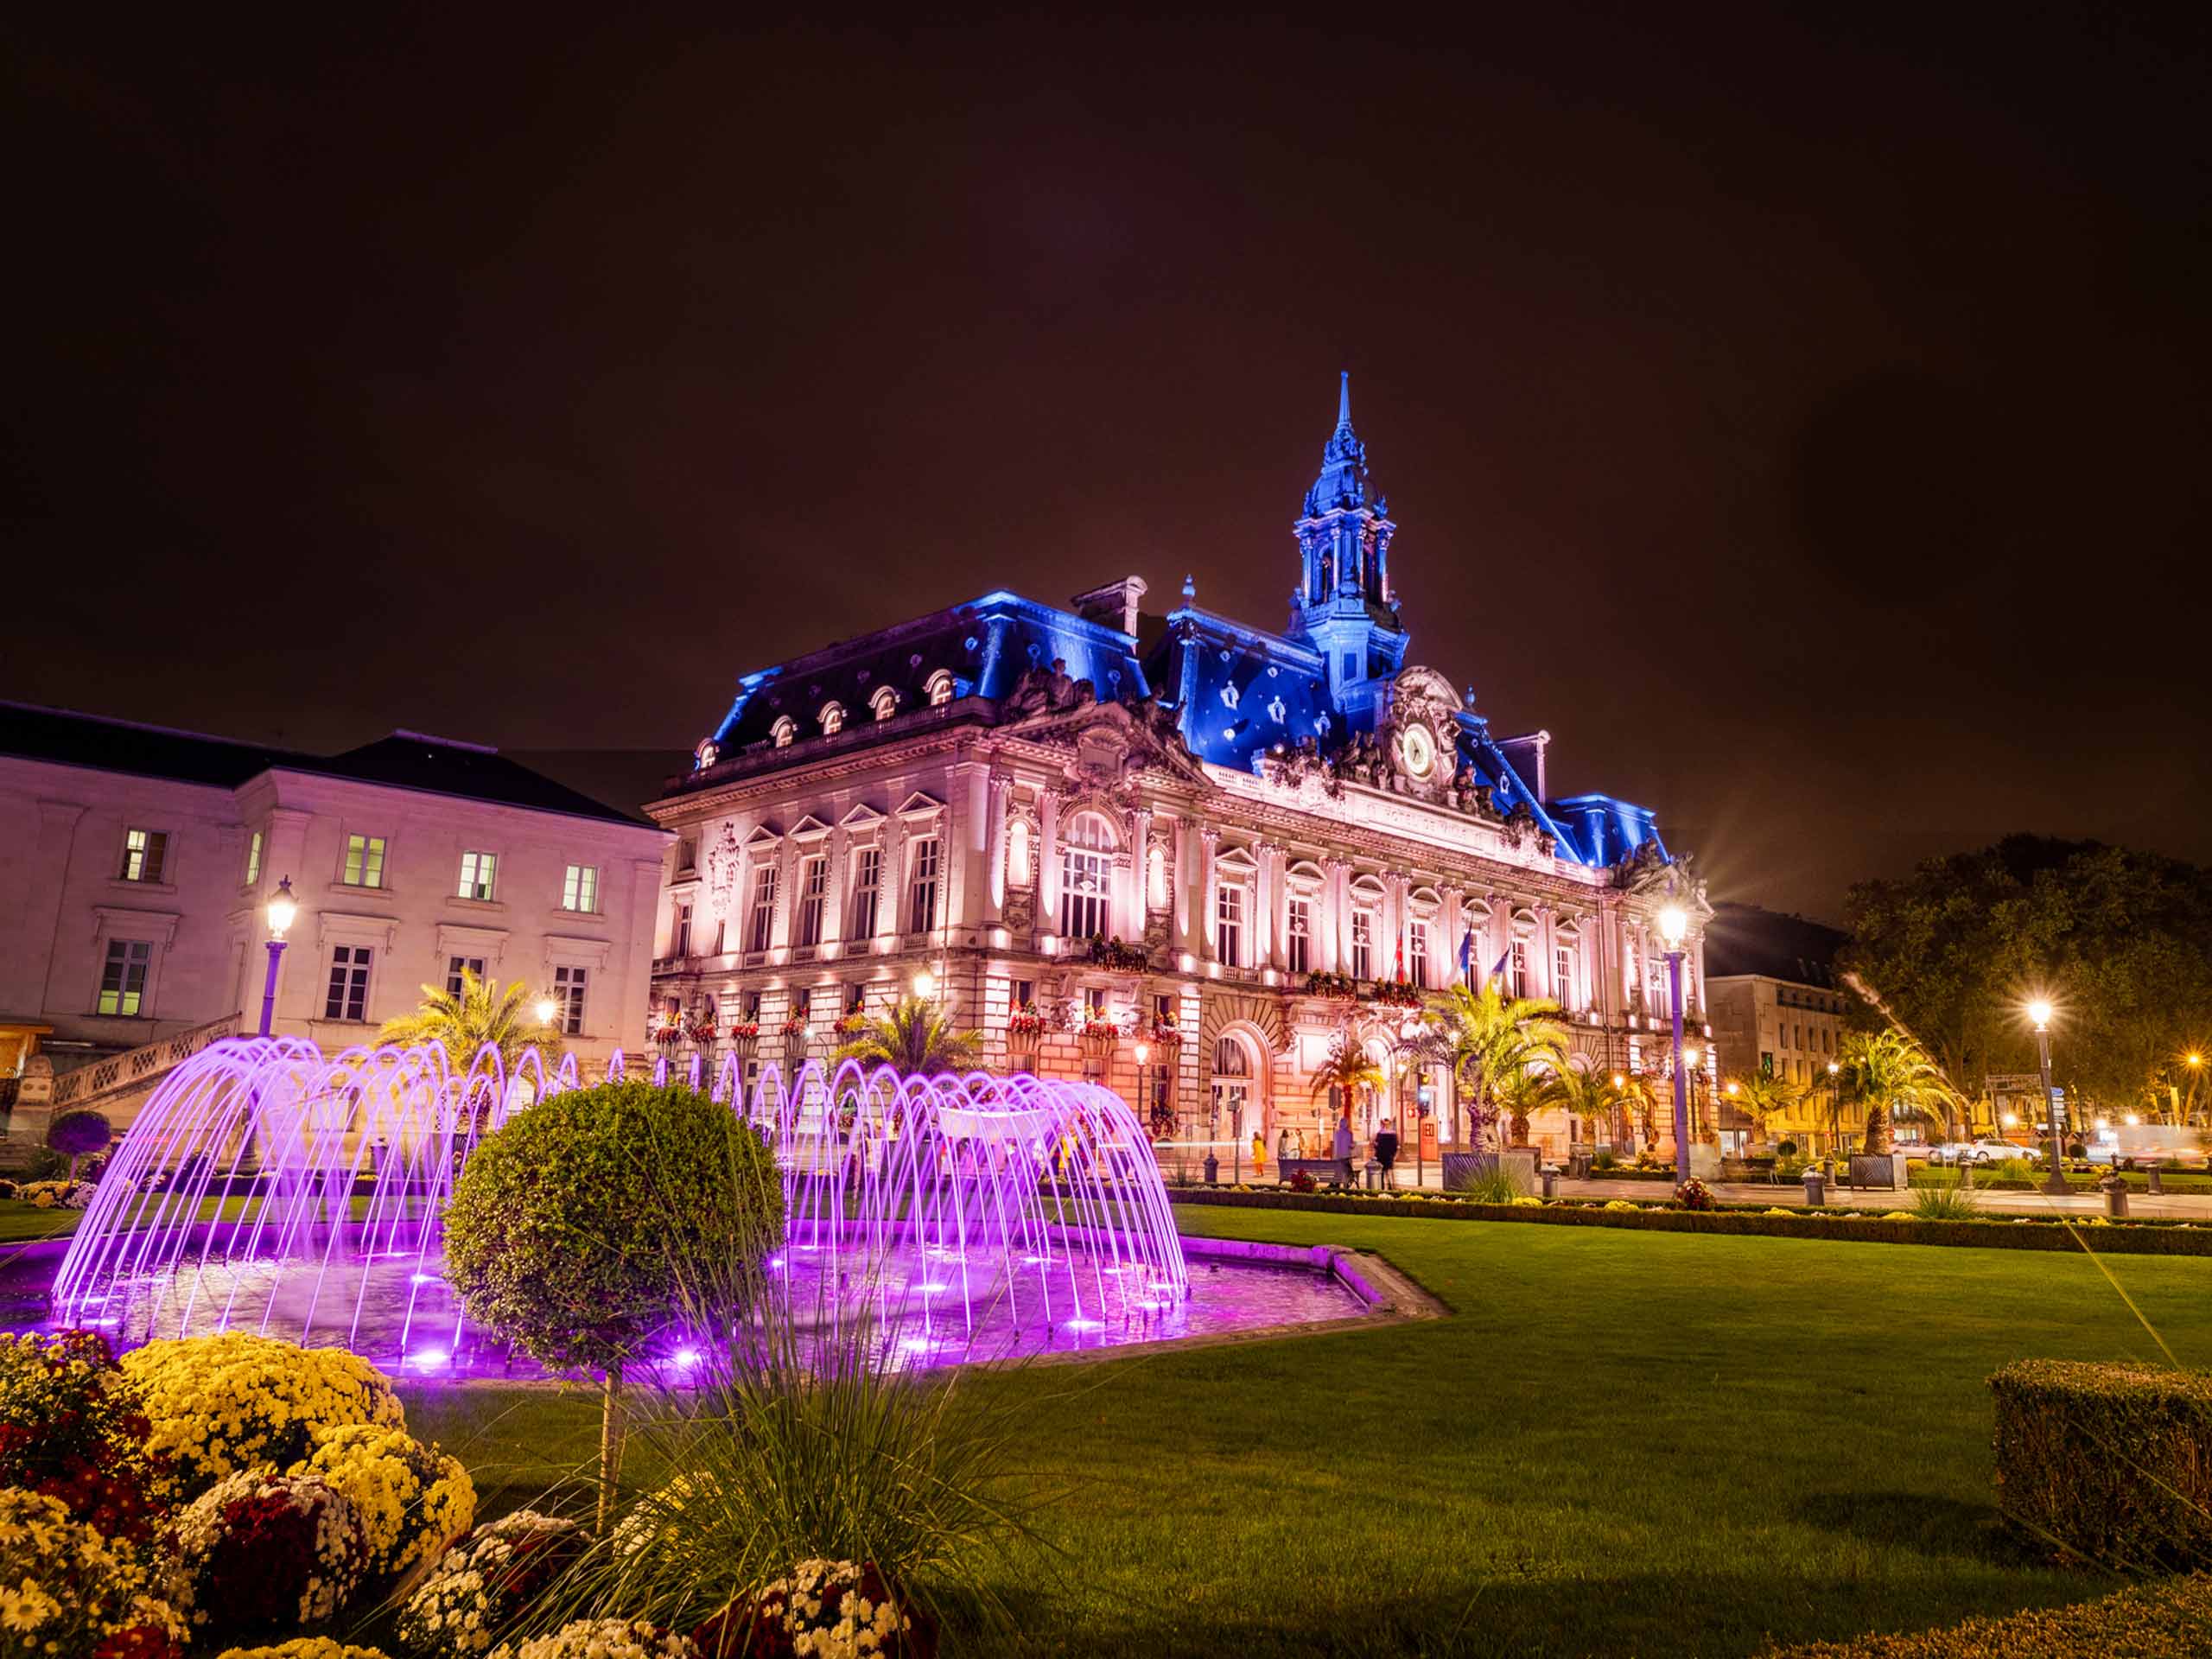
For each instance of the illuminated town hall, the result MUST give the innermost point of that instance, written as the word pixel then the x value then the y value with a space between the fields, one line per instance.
pixel 1183 854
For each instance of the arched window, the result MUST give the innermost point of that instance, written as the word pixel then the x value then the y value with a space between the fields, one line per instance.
pixel 885 703
pixel 1017 853
pixel 833 719
pixel 1230 1059
pixel 1086 874
pixel 1155 876
pixel 783 732
pixel 939 687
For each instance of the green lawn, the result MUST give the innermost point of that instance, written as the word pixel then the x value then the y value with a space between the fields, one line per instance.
pixel 20 1222
pixel 1621 1444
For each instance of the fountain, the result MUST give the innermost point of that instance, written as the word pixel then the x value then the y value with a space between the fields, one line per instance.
pixel 267 1187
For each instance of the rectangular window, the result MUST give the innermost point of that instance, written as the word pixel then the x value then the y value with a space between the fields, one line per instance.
pixel 569 1000
pixel 868 882
pixel 680 945
pixel 363 861
pixel 1363 944
pixel 579 888
pixel 476 871
pixel 1085 873
pixel 1298 948
pixel 1094 1002
pixel 1229 924
pixel 1563 976
pixel 349 983
pixel 921 896
pixel 144 852
pixel 1516 971
pixel 1025 991
pixel 764 907
pixel 253 858
pixel 454 967
pixel 1417 954
pixel 813 890
pixel 123 981
pixel 721 935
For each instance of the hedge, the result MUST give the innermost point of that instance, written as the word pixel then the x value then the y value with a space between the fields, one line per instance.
pixel 2109 1464
pixel 2172 1620
pixel 2106 1238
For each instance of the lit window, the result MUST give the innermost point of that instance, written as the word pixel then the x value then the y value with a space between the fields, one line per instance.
pixel 569 1000
pixel 454 967
pixel 885 703
pixel 1363 944
pixel 144 852
pixel 363 861
pixel 253 858
pixel 1229 924
pixel 763 906
pixel 939 688
pixel 1017 853
pixel 868 883
pixel 1155 877
pixel 783 732
pixel 833 719
pixel 580 887
pixel 1299 946
pixel 921 893
pixel 1563 976
pixel 1086 867
pixel 1516 971
pixel 348 998
pixel 476 870
pixel 813 890
pixel 1417 954
pixel 123 981
pixel 681 945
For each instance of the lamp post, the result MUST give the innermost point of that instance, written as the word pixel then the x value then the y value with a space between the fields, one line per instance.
pixel 1835 1104
pixel 925 985
pixel 1673 922
pixel 2055 1182
pixel 281 909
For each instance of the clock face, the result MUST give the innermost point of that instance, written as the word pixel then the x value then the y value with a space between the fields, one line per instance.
pixel 1418 749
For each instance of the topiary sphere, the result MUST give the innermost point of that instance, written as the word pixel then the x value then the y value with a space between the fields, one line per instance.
pixel 79 1133
pixel 571 1226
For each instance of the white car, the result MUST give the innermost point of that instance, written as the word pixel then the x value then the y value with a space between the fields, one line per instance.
pixel 1980 1152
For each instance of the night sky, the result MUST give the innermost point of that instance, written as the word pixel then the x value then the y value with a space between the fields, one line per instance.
pixel 1806 423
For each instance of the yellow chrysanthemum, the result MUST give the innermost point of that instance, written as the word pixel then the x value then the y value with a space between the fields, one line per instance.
pixel 413 1499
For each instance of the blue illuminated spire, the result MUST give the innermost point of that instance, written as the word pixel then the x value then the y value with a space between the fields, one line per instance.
pixel 1342 482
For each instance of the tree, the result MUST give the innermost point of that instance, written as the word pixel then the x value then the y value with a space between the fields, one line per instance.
pixel 1348 1070
pixel 1888 1076
pixel 1767 1099
pixel 915 1038
pixel 1584 1089
pixel 570 1224
pixel 482 1012
pixel 1490 1042
pixel 79 1134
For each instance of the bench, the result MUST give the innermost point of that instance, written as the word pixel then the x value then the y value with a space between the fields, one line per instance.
pixel 1330 1172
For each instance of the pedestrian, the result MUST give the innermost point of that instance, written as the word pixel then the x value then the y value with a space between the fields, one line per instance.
pixel 1286 1148
pixel 1259 1152
pixel 1386 1151
pixel 1342 1149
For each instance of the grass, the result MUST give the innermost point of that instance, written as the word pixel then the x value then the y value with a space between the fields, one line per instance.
pixel 1622 1443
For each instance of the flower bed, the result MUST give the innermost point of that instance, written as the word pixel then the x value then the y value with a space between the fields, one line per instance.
pixel 2165 1621
pixel 2108 1463
pixel 413 1499
pixel 73 1427
pixel 2024 1233
pixel 67 1590
pixel 481 1584
pixel 261 1551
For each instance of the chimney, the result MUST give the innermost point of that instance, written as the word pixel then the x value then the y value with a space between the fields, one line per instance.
pixel 1115 604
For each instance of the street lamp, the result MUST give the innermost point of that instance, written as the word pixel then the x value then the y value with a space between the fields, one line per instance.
pixel 925 985
pixel 281 909
pixel 1673 923
pixel 546 1009
pixel 2054 1183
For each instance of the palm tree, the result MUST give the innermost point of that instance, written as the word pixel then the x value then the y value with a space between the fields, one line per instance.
pixel 1586 1090
pixel 1491 1042
pixel 481 1012
pixel 1888 1076
pixel 1349 1069
pixel 915 1038
pixel 1765 1097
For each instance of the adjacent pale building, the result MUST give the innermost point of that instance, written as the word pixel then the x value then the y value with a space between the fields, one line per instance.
pixel 1778 1008
pixel 1180 854
pixel 136 864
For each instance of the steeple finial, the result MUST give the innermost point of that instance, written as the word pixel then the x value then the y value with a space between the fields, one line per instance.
pixel 1344 400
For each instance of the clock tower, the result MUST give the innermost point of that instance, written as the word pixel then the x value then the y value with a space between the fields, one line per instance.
pixel 1344 605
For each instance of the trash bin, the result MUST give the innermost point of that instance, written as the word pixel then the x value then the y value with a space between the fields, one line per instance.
pixel 2154 1185
pixel 1817 1186
pixel 2115 1191
pixel 1578 1167
pixel 1374 1176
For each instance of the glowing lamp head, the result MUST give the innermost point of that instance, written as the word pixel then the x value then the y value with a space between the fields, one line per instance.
pixel 1735 1088
pixel 2133 1120
pixel 1834 1068
pixel 1144 1053
pixel 925 985
pixel 2039 1012
pixel 2196 1059
pixel 1619 1082
pixel 545 1010
pixel 1673 923
pixel 282 908
pixel 1689 1057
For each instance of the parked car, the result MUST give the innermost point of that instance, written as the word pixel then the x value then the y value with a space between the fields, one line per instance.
pixel 1979 1153
pixel 2143 1145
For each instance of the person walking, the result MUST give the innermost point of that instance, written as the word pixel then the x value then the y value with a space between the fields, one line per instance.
pixel 1259 1154
pixel 1341 1150
pixel 1386 1151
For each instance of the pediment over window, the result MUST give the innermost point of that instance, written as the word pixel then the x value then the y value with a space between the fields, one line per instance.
pixel 765 835
pixel 860 818
pixel 918 805
pixel 809 827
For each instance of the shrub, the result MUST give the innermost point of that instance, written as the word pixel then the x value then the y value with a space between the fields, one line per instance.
pixel 413 1500
pixel 2165 1621
pixel 1946 1204
pixel 1694 1194
pixel 1787 1149
pixel 78 1135
pixel 1303 1181
pixel 1604 1160
pixel 303 1647
pixel 261 1551
pixel 72 1591
pixel 836 1610
pixel 565 1228
pixel 219 1404
pixel 1492 1184
pixel 56 1195
pixel 72 1426
pixel 2111 1464
pixel 479 1586
pixel 2016 1169
pixel 602 1638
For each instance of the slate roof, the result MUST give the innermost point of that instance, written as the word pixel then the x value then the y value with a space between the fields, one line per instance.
pixel 1745 940
pixel 435 765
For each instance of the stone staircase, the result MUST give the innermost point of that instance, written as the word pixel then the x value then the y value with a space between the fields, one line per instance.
pixel 117 1086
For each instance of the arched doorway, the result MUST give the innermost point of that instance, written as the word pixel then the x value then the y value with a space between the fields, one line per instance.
pixel 1240 1104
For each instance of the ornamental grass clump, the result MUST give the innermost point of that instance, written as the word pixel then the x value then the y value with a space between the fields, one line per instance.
pixel 1946 1204
pixel 67 1590
pixel 565 1229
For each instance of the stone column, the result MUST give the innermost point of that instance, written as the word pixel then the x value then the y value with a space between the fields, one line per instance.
pixel 837 850
pixel 1001 795
pixel 1048 863
pixel 1210 847
pixel 1138 898
pixel 891 880
pixel 1263 905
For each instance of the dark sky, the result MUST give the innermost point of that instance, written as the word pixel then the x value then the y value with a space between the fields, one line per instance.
pixel 1805 422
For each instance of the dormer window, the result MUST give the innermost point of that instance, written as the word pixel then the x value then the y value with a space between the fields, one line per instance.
pixel 938 688
pixel 833 719
pixel 783 732
pixel 885 703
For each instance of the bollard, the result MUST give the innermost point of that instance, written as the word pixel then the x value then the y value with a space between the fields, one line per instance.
pixel 1213 1170
pixel 1816 1187
pixel 1551 1180
pixel 2151 1176
pixel 2115 1191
